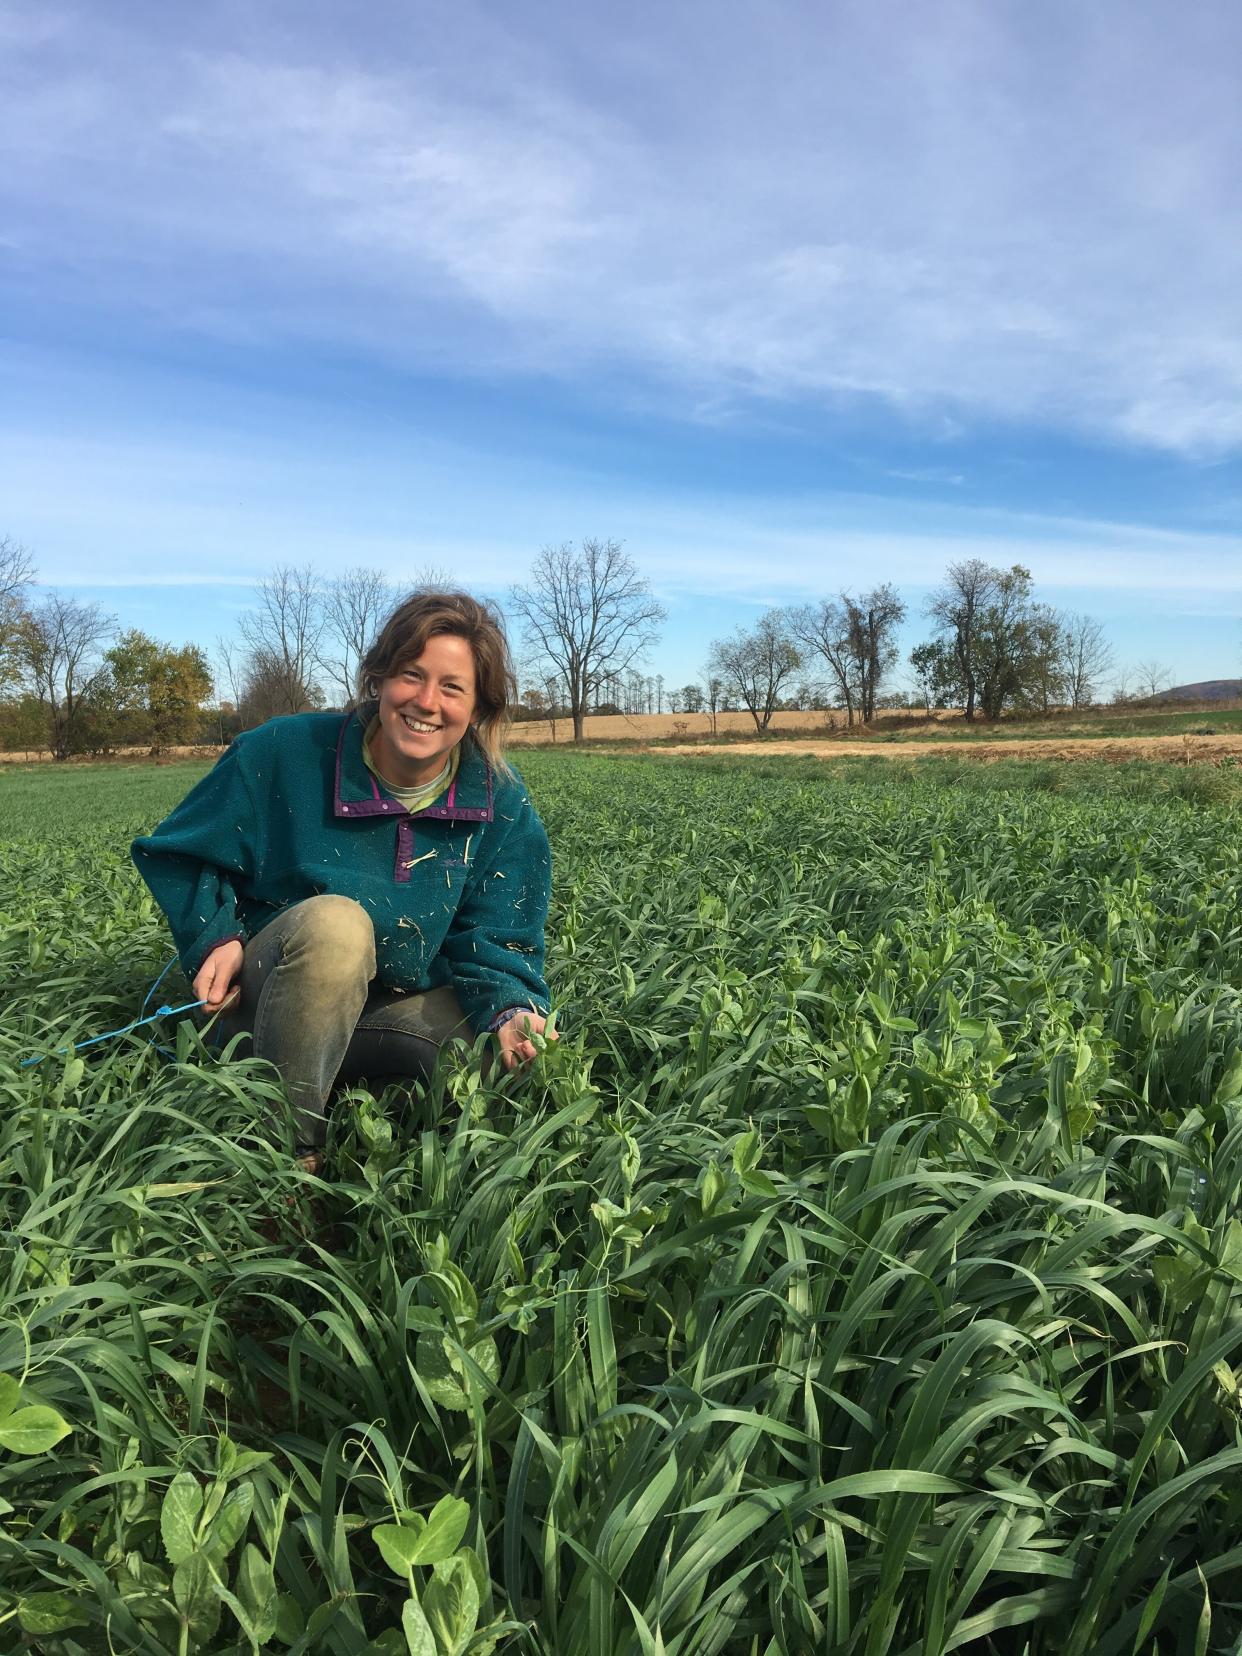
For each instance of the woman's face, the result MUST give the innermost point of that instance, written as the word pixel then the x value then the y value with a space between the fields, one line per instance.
pixel 424 711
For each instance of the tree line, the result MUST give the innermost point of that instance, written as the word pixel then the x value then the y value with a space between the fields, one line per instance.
pixel 73 681
pixel 994 648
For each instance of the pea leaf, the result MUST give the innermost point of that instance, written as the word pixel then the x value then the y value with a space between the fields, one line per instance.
pixel 445 1526
pixel 179 1517
pixel 398 1544
pixel 418 1635
pixel 10 1391
pixel 256 1592
pixel 232 1518
pixel 50 1613
pixel 195 1597
pixel 33 1430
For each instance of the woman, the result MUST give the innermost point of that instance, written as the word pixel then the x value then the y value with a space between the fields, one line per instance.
pixel 359 888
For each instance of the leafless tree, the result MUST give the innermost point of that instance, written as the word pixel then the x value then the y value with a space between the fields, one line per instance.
pixel 1087 659
pixel 1044 682
pixel 283 634
pixel 59 645
pixel 758 663
pixel 713 690
pixel 16 573
pixel 354 606
pixel 969 589
pixel 589 613
pixel 872 622
pixel 1153 677
pixel 270 691
pixel 17 570
pixel 823 629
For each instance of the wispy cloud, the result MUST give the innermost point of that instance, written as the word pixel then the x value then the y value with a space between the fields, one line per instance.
pixel 1001 214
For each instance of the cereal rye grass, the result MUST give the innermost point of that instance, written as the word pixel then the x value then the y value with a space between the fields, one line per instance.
pixel 860 1274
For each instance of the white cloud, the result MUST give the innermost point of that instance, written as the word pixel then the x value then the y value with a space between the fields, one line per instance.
pixel 989 213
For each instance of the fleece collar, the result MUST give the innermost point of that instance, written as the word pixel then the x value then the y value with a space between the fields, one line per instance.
pixel 356 793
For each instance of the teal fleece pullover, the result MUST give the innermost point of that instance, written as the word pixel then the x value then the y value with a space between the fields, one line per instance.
pixel 458 893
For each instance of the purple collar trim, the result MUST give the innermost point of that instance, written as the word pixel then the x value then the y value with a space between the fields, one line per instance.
pixel 380 805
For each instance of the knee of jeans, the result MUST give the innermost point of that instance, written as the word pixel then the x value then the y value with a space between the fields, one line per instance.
pixel 337 933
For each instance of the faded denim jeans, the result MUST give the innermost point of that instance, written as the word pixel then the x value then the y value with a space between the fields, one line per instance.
pixel 308 1002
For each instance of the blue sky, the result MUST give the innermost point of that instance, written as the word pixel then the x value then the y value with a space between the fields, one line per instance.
pixel 788 298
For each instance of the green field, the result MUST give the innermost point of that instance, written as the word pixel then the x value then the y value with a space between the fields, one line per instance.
pixel 860 1273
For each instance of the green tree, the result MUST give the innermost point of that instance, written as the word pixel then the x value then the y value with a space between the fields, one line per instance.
pixel 156 691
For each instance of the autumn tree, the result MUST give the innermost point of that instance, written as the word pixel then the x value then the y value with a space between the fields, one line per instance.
pixel 589 614
pixel 156 689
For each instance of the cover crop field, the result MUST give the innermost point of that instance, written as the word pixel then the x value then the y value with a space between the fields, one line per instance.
pixel 860 1274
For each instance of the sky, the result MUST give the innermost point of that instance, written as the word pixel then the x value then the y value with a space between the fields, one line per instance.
pixel 787 298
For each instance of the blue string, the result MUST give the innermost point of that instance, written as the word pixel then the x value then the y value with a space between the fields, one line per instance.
pixel 111 1034
pixel 172 961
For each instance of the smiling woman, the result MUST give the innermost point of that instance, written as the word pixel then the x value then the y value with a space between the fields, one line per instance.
pixel 354 890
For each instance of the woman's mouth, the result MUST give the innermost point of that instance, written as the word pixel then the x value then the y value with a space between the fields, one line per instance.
pixel 419 726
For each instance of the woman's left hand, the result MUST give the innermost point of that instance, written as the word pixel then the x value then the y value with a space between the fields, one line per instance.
pixel 516 1046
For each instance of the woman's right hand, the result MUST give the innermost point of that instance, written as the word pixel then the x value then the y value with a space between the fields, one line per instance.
pixel 213 982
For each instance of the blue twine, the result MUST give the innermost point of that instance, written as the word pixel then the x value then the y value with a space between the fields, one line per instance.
pixel 111 1034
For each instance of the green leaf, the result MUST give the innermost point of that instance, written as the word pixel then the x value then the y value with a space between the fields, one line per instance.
pixel 441 1536
pixel 179 1517
pixel 418 1635
pixel 1151 1609
pixel 444 1374
pixel 746 1152
pixel 10 1391
pixel 1180 1278
pixel 256 1592
pixel 398 1544
pixel 195 1597
pixel 33 1430
pixel 451 1603
pixel 290 1622
pixel 230 1522
pixel 758 1184
pixel 50 1613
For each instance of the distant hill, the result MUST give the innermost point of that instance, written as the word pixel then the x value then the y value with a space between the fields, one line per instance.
pixel 1209 690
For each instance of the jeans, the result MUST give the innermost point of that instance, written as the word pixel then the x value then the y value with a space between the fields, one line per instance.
pixel 308 1003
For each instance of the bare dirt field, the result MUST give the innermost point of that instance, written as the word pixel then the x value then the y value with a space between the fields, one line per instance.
pixel 1181 750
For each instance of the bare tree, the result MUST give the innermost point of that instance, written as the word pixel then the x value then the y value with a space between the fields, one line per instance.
pixel 713 687
pixel 1045 685
pixel 17 570
pixel 283 634
pixel 270 691
pixel 872 622
pixel 589 613
pixel 59 646
pixel 758 663
pixel 969 588
pixel 1153 677
pixel 354 606
pixel 823 629
pixel 16 573
pixel 1087 659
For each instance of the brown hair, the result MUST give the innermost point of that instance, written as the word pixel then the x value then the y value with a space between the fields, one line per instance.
pixel 424 614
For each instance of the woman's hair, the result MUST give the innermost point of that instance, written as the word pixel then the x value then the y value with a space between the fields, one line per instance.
pixel 424 614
